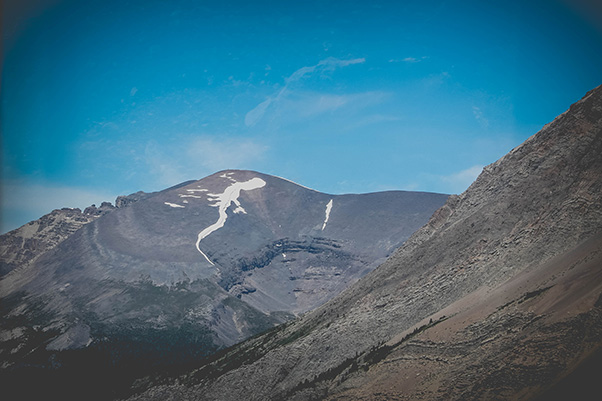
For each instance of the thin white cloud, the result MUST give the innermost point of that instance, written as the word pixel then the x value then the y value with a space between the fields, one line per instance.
pixel 213 154
pixel 329 64
pixel 196 157
pixel 166 168
pixel 304 105
pixel 459 181
pixel 453 183
pixel 478 115
pixel 408 59
pixel 326 65
pixel 253 116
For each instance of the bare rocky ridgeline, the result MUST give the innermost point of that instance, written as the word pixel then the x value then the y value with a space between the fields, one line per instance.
pixel 497 297
pixel 20 247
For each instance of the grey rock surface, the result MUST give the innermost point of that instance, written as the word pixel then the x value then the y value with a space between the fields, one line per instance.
pixel 18 248
pixel 497 297
pixel 196 267
pixel 21 246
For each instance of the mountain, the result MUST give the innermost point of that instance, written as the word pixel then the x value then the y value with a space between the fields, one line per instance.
pixel 20 247
pixel 498 296
pixel 169 277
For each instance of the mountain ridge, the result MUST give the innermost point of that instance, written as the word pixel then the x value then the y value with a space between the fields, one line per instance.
pixel 537 210
pixel 194 268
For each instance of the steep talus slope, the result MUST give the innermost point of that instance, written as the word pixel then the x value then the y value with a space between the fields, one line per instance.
pixel 509 342
pixel 507 270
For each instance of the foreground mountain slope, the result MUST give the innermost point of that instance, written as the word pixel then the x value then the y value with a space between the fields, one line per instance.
pixel 497 297
pixel 179 273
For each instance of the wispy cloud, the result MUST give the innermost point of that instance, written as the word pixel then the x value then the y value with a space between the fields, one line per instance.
pixel 167 169
pixel 478 115
pixel 195 157
pixel 304 105
pixel 408 59
pixel 452 183
pixel 327 65
pixel 459 181
pixel 213 154
pixel 253 116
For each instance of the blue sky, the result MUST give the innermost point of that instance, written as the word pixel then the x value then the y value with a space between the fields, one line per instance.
pixel 102 98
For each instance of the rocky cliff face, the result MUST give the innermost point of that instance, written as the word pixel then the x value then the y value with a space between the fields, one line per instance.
pixel 177 274
pixel 497 297
pixel 20 247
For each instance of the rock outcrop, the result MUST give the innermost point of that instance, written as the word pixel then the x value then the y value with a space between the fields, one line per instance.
pixel 20 247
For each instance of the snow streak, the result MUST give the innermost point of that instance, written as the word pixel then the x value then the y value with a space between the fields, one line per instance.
pixel 328 209
pixel 223 202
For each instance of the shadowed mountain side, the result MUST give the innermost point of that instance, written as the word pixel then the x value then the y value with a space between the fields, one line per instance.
pixel 497 297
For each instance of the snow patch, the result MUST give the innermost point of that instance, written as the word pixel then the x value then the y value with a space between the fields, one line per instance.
pixel 197 190
pixel 240 209
pixel 223 202
pixel 173 204
pixel 190 196
pixel 328 209
pixel 227 175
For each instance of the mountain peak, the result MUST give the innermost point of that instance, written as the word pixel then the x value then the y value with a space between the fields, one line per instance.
pixel 226 256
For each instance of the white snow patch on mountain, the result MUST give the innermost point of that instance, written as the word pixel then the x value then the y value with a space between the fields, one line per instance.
pixel 240 209
pixel 227 175
pixel 328 209
pixel 173 204
pixel 223 202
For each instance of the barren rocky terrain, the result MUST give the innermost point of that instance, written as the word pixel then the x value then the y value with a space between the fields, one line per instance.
pixel 165 279
pixel 498 297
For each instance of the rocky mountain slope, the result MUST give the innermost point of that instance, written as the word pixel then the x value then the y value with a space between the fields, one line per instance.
pixel 20 247
pixel 177 274
pixel 497 297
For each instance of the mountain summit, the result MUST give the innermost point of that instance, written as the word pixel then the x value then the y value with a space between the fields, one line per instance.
pixel 499 296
